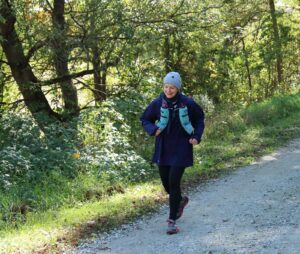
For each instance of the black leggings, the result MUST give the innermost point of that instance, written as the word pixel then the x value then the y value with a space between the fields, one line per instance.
pixel 171 177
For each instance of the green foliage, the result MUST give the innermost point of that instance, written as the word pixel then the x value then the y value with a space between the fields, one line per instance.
pixel 34 167
pixel 225 50
pixel 131 105
pixel 235 136
pixel 25 153
pixel 107 138
pixel 273 109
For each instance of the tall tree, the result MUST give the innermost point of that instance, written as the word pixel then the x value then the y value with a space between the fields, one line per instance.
pixel 277 43
pixel 100 74
pixel 167 54
pixel 27 82
pixel 247 65
pixel 108 36
pixel 60 50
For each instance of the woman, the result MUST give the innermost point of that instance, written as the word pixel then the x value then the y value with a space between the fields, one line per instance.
pixel 177 122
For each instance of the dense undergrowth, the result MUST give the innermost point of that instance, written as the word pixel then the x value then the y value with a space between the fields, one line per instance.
pixel 88 158
pixel 105 150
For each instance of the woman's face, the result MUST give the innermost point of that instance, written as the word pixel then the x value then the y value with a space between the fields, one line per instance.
pixel 170 90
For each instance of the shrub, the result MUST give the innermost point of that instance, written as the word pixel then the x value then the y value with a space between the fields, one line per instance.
pixel 272 109
pixel 38 171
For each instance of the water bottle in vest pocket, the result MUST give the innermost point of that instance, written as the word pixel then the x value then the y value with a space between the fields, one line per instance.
pixel 185 120
pixel 164 118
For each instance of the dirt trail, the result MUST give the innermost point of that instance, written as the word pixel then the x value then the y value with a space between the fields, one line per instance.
pixel 256 209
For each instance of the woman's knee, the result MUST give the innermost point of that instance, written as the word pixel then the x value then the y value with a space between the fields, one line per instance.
pixel 174 185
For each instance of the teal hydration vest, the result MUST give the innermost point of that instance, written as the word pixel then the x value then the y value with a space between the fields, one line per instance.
pixel 183 117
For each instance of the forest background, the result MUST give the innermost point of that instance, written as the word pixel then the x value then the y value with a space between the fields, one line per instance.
pixel 76 75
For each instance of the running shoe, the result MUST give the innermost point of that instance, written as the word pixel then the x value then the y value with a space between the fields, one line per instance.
pixel 172 227
pixel 183 203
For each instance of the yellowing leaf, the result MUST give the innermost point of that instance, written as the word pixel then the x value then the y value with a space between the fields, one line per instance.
pixel 76 155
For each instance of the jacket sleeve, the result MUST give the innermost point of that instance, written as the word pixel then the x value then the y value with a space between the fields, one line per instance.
pixel 197 120
pixel 148 119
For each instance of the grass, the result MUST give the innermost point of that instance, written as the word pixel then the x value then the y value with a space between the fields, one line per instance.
pixel 69 224
pixel 231 139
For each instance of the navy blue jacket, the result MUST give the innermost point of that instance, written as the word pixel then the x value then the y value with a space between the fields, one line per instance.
pixel 172 147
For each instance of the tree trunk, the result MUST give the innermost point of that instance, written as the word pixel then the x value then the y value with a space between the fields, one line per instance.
pixel 179 54
pixel 28 85
pixel 278 51
pixel 167 55
pixel 99 80
pixel 103 83
pixel 69 91
pixel 99 77
pixel 1 92
pixel 268 84
pixel 247 68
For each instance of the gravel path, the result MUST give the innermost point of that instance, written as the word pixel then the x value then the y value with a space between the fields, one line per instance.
pixel 255 209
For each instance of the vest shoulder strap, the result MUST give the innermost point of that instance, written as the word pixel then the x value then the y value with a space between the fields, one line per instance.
pixel 183 117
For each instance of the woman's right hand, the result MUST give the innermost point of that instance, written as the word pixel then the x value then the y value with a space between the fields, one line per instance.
pixel 158 131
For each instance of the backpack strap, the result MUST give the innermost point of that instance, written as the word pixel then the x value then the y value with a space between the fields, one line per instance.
pixel 183 116
pixel 164 116
pixel 185 120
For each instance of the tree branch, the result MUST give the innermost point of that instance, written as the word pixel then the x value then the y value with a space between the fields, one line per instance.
pixel 86 105
pixel 12 105
pixel 49 5
pixel 66 77
pixel 173 15
pixel 36 47
pixel 90 88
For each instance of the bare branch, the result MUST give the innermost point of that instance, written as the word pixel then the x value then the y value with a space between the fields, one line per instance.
pixel 89 87
pixel 86 105
pixel 170 17
pixel 66 77
pixel 49 5
pixel 13 105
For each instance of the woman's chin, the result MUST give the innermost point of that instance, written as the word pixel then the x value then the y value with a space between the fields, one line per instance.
pixel 170 96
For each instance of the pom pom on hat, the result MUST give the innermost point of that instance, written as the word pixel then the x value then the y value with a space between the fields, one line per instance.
pixel 173 78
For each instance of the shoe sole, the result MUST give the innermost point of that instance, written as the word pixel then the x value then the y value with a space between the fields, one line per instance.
pixel 172 232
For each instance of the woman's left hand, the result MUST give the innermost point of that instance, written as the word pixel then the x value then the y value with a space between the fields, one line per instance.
pixel 193 141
